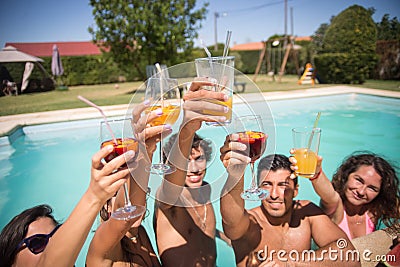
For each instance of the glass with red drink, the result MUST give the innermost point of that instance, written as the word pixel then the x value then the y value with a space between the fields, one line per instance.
pixel 121 145
pixel 119 133
pixel 255 141
pixel 251 133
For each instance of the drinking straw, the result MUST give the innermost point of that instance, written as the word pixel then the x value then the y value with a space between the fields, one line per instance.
pixel 102 113
pixel 313 130
pixel 205 48
pixel 161 84
pixel 227 41
pixel 209 56
pixel 225 54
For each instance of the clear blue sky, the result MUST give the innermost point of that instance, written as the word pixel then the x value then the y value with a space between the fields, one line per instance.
pixel 249 20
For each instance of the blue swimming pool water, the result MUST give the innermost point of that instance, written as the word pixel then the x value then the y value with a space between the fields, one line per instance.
pixel 51 163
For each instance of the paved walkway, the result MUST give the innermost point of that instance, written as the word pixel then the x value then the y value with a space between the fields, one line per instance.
pixel 8 124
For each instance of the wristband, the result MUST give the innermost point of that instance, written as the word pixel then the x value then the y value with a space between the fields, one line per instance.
pixel 316 176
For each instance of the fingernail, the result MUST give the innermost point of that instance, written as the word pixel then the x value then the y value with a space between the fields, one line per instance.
pixel 226 109
pixel 243 146
pixel 234 137
pixel 168 126
pixel 146 102
pixel 248 160
pixel 130 153
pixel 226 98
pixel 110 147
pixel 159 111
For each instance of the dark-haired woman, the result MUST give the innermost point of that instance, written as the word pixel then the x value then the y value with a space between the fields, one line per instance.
pixel 364 192
pixel 35 238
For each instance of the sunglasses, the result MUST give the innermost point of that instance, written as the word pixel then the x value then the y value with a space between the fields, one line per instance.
pixel 37 243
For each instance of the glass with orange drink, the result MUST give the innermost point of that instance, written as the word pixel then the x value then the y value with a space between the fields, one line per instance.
pixel 306 144
pixel 219 70
pixel 164 96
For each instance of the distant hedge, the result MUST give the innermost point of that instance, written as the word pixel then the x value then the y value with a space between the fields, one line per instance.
pixel 79 70
pixel 344 67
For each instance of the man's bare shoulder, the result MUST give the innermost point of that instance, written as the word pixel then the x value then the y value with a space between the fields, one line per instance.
pixel 307 206
pixel 307 209
pixel 254 212
pixel 256 215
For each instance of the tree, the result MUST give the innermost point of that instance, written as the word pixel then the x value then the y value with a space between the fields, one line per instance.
pixel 387 48
pixel 142 32
pixel 352 31
pixel 318 37
pixel 388 29
pixel 348 47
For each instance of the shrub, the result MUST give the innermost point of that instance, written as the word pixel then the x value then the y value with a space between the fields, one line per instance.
pixel 344 67
pixel 348 49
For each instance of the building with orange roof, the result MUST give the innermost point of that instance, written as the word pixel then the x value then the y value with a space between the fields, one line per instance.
pixel 65 48
pixel 247 46
pixel 259 45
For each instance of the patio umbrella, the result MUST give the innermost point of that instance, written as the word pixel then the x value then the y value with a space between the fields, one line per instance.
pixel 11 54
pixel 56 65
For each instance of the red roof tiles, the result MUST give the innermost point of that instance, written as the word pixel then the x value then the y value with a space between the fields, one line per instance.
pixel 65 48
pixel 260 45
pixel 247 46
pixel 89 48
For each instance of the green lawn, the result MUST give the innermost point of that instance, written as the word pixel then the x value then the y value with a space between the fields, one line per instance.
pixel 107 94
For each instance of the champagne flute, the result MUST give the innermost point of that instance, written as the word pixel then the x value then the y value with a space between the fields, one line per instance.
pixel 251 133
pixel 119 133
pixel 163 94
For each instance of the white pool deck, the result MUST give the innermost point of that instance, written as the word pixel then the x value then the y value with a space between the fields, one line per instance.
pixel 9 124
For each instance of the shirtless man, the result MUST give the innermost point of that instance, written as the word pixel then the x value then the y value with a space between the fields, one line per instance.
pixel 184 222
pixel 280 227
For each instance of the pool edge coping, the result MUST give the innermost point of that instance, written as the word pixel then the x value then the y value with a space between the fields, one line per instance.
pixel 12 123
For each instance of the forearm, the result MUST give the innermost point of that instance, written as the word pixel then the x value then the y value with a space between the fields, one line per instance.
pixel 179 154
pixel 337 253
pixel 139 183
pixel 106 239
pixel 64 247
pixel 232 208
pixel 328 196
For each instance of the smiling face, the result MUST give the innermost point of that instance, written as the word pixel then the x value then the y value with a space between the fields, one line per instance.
pixel 282 190
pixel 25 257
pixel 363 186
pixel 196 168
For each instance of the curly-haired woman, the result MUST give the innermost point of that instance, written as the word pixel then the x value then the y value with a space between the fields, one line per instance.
pixel 364 191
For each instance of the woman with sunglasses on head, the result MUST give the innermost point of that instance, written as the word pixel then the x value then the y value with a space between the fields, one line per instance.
pixel 34 237
pixel 125 242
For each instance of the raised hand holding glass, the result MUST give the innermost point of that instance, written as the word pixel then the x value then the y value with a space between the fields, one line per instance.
pixel 164 96
pixel 251 133
pixel 122 138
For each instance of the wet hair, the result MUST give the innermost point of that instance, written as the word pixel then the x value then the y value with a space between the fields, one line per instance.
pixel 274 162
pixel 198 141
pixel 386 205
pixel 15 231
pixel 104 211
